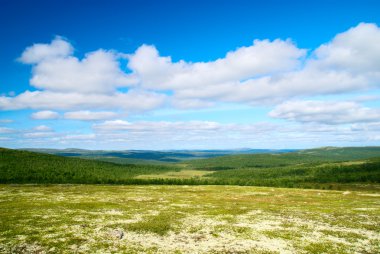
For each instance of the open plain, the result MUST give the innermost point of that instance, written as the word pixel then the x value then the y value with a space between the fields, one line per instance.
pixel 186 219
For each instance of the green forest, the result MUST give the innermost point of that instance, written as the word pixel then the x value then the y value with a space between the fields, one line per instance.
pixel 326 168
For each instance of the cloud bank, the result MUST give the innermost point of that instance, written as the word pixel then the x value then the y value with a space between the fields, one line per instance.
pixel 106 85
pixel 264 72
pixel 325 112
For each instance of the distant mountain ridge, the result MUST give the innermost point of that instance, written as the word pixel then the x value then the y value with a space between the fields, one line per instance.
pixel 133 156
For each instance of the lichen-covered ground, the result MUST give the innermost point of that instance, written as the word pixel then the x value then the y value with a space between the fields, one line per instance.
pixel 186 219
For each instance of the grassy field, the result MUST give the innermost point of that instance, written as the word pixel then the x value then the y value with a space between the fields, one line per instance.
pixel 181 174
pixel 186 219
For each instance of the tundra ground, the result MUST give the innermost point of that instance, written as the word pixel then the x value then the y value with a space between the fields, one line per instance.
pixel 186 219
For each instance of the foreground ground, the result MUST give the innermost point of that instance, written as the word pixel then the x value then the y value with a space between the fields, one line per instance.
pixel 186 219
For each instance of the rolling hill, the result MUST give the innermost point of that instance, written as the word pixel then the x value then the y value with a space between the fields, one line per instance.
pixel 29 167
pixel 331 168
pixel 301 157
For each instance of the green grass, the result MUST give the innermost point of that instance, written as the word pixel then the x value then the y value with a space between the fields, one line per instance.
pixel 186 219
pixel 159 224
pixel 182 174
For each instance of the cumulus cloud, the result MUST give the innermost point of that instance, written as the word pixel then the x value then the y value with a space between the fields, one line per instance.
pixel 86 115
pixel 356 50
pixel 266 71
pixel 66 82
pixel 45 114
pixel 96 86
pixel 55 69
pixel 261 58
pixel 58 48
pixel 326 112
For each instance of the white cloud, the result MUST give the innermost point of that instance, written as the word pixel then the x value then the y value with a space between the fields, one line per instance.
pixel 372 127
pixel 133 101
pixel 6 130
pixel 356 50
pixel 55 69
pixel 191 103
pixel 261 58
pixel 69 83
pixel 58 48
pixel 96 86
pixel 46 114
pixel 6 121
pixel 86 115
pixel 266 72
pixel 325 112
pixel 39 132
pixel 206 134
pixel 121 125
pixel 78 137
pixel 42 128
pixel 180 134
pixel 120 134
pixel 39 135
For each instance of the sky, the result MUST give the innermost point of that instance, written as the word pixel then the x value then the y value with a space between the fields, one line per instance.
pixel 214 74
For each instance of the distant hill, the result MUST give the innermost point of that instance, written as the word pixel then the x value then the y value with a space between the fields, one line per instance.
pixel 326 167
pixel 151 157
pixel 316 156
pixel 330 167
pixel 29 167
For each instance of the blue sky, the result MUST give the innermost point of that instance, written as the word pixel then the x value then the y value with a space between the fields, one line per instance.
pixel 189 74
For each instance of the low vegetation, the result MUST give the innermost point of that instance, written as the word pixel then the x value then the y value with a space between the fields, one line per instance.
pixel 186 219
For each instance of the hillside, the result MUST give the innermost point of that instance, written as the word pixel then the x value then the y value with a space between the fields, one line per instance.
pixel 29 167
pixel 302 157
pixel 324 175
pixel 317 168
